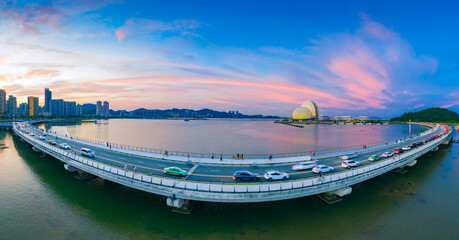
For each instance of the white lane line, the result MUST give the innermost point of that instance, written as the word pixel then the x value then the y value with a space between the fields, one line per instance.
pixel 214 170
pixel 191 171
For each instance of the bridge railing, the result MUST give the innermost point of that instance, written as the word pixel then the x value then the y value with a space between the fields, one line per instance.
pixel 311 153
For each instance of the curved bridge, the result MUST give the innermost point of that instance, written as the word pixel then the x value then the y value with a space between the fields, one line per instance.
pixel 211 181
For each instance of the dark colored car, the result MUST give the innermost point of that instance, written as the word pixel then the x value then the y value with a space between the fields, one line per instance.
pixel 245 176
pixel 398 150
pixel 412 145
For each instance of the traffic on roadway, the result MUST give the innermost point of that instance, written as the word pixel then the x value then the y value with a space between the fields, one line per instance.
pixel 231 173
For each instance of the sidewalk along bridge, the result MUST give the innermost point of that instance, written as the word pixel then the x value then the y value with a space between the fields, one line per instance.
pixel 213 182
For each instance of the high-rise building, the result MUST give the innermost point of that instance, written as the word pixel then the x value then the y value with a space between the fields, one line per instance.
pixel 33 106
pixel 106 109
pixel 48 101
pixel 79 110
pixel 12 105
pixel 2 102
pixel 57 107
pixel 70 108
pixel 99 111
pixel 23 109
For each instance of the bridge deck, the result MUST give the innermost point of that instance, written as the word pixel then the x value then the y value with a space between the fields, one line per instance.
pixel 154 165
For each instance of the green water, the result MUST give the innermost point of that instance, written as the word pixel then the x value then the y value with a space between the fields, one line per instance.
pixel 40 200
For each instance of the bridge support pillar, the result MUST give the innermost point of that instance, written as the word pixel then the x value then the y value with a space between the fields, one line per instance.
pixel 36 149
pixel 70 168
pixel 412 163
pixel 81 175
pixel 434 150
pixel 179 205
pixel 400 170
pixel 335 196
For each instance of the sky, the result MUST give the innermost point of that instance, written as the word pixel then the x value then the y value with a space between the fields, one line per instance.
pixel 358 58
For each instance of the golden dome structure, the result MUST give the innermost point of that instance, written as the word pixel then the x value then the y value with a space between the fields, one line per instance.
pixel 301 113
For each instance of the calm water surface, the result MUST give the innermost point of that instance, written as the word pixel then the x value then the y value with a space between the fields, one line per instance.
pixel 234 136
pixel 40 200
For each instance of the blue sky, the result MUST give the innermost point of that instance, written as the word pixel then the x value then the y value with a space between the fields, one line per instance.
pixel 350 57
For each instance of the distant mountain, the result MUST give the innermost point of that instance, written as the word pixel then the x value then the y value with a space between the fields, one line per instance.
pixel 185 113
pixel 89 109
pixel 429 115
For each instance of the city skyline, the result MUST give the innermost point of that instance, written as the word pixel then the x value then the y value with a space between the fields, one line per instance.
pixel 363 61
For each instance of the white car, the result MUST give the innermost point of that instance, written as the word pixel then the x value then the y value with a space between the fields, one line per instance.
pixel 387 155
pixel 32 134
pixel 406 148
pixel 275 175
pixel 349 156
pixel 42 138
pixel 304 166
pixel 64 146
pixel 322 168
pixel 87 152
pixel 349 164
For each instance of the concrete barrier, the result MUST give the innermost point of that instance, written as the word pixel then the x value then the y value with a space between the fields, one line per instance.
pixel 228 188
pixel 216 188
pixel 240 188
pixel 203 187
pixel 274 187
pixel 191 186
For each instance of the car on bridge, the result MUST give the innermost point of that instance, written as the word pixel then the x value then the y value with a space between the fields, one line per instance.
pixel 304 166
pixel 387 155
pixel 322 168
pixel 42 138
pixel 397 151
pixel 52 142
pixel 245 176
pixel 32 134
pixel 349 156
pixel 87 152
pixel 64 146
pixel 275 175
pixel 349 164
pixel 176 171
pixel 406 148
pixel 374 157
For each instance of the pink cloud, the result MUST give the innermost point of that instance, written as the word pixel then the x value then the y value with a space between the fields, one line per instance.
pixel 31 18
pixel 120 34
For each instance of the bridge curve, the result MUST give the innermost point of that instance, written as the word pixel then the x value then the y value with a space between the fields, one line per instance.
pixel 202 186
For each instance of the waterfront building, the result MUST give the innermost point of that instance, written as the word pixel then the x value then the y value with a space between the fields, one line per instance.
pixel 12 105
pixel 308 110
pixel 48 101
pixel 324 118
pixel 70 109
pixel 106 109
pixel 99 108
pixel 34 108
pixel 347 118
pixel 57 107
pixel 2 102
pixel 79 110
pixel 23 109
